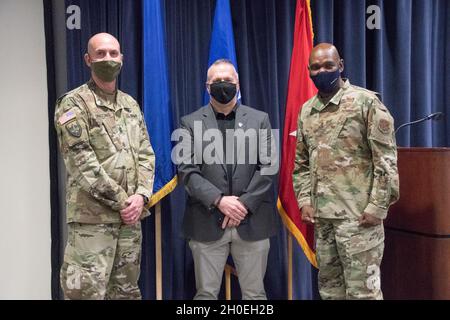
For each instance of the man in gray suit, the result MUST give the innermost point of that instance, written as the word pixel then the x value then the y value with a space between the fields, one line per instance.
pixel 228 174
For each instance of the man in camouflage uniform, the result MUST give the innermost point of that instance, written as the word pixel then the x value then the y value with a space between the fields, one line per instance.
pixel 110 164
pixel 345 178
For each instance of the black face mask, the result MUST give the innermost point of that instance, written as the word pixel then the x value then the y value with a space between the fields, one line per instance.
pixel 327 81
pixel 223 91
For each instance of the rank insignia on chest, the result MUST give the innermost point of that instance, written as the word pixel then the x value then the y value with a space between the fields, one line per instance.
pixel 74 129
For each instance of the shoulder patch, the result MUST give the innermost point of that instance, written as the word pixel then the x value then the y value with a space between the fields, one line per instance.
pixel 384 126
pixel 69 115
pixel 74 129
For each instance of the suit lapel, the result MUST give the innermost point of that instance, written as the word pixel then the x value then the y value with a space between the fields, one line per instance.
pixel 209 118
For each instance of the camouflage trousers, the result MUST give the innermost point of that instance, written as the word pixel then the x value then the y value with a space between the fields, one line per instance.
pixel 102 261
pixel 349 258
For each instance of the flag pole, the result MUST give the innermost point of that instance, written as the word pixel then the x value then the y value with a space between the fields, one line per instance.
pixel 289 284
pixel 227 282
pixel 158 251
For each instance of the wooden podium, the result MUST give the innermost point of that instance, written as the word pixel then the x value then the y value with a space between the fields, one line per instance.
pixel 416 263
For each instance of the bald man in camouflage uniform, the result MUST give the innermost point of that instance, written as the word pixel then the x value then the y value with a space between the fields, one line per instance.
pixel 110 164
pixel 345 178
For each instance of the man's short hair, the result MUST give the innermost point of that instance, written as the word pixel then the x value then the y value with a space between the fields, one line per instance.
pixel 220 61
pixel 223 61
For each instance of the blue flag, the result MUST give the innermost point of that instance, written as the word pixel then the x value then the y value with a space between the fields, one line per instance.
pixel 156 101
pixel 222 38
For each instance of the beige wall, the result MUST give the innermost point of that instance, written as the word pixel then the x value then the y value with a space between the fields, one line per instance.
pixel 24 158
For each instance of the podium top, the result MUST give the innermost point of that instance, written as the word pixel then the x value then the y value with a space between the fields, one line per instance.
pixel 422 149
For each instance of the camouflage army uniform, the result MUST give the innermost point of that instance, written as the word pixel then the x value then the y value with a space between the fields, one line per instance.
pixel 104 142
pixel 345 165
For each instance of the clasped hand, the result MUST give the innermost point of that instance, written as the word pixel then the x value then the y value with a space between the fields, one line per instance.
pixel 132 213
pixel 233 209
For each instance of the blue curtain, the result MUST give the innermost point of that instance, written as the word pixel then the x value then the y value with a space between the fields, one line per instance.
pixel 55 217
pixel 406 60
pixel 120 18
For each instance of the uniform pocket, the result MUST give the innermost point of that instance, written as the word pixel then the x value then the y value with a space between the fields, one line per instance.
pixel 134 130
pixel 354 239
pixel 101 142
pixel 365 239
pixel 79 283
pixel 337 130
pixel 110 127
pixel 351 125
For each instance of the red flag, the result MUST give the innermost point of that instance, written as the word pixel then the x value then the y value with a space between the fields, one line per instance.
pixel 300 89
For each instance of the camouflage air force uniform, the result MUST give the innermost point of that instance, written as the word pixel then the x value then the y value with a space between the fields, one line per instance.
pixel 346 164
pixel 104 142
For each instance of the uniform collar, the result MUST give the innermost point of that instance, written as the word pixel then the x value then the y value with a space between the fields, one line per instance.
pixel 104 99
pixel 336 99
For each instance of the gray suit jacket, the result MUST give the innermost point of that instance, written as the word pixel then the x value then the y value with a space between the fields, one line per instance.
pixel 204 182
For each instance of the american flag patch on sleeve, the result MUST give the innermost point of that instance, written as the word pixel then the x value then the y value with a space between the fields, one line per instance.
pixel 66 117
